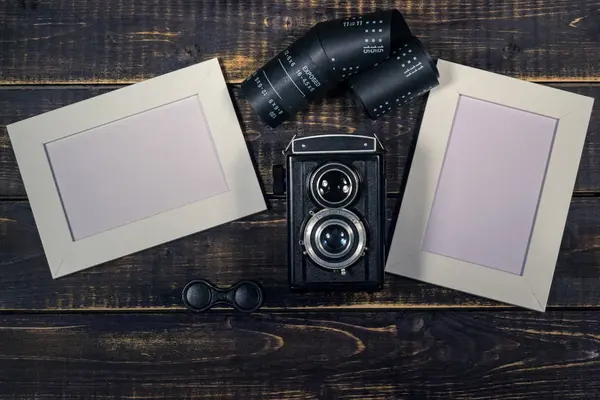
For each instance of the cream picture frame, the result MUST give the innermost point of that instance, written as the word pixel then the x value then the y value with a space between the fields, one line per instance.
pixel 203 81
pixel 531 288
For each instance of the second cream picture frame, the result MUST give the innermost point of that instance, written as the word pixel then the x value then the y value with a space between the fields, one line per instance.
pixel 490 185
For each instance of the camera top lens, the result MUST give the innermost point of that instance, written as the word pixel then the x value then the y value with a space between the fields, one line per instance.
pixel 334 185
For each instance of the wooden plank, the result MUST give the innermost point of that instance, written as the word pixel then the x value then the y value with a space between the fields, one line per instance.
pixel 342 355
pixel 122 41
pixel 252 248
pixel 337 114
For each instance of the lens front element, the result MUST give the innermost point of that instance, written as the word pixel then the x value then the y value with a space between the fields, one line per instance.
pixel 334 186
pixel 334 239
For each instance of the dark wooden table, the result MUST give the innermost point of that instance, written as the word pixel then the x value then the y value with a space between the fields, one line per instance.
pixel 119 330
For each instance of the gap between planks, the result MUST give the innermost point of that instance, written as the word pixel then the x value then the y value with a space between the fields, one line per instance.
pixel 116 82
pixel 270 196
pixel 295 310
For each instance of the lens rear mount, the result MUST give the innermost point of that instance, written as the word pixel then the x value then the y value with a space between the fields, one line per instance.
pixel 334 185
pixel 334 238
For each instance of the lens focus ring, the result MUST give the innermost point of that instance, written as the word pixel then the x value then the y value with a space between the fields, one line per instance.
pixel 334 185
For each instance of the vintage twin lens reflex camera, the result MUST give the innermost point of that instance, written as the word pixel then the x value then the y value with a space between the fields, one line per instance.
pixel 335 188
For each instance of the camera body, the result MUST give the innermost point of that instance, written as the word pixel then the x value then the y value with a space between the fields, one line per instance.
pixel 336 213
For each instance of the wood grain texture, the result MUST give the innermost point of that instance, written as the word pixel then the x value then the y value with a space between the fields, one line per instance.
pixel 394 355
pixel 336 114
pixel 252 248
pixel 118 41
pixel 97 334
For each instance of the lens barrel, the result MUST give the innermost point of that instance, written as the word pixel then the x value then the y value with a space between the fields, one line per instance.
pixel 341 49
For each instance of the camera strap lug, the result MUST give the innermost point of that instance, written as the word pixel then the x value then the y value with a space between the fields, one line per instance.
pixel 288 146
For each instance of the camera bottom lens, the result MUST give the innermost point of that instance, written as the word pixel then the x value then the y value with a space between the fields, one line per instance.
pixel 334 238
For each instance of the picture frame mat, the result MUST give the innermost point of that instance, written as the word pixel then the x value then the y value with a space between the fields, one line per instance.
pixel 406 257
pixel 204 80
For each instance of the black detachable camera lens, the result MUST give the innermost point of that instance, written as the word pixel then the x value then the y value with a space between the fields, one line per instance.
pixel 334 185
pixel 335 239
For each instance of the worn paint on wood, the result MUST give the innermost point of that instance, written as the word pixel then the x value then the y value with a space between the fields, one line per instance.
pixel 342 355
pixel 314 349
pixel 124 41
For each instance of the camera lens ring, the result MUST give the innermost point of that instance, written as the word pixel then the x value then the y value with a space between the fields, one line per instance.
pixel 337 215
pixel 348 173
pixel 334 222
